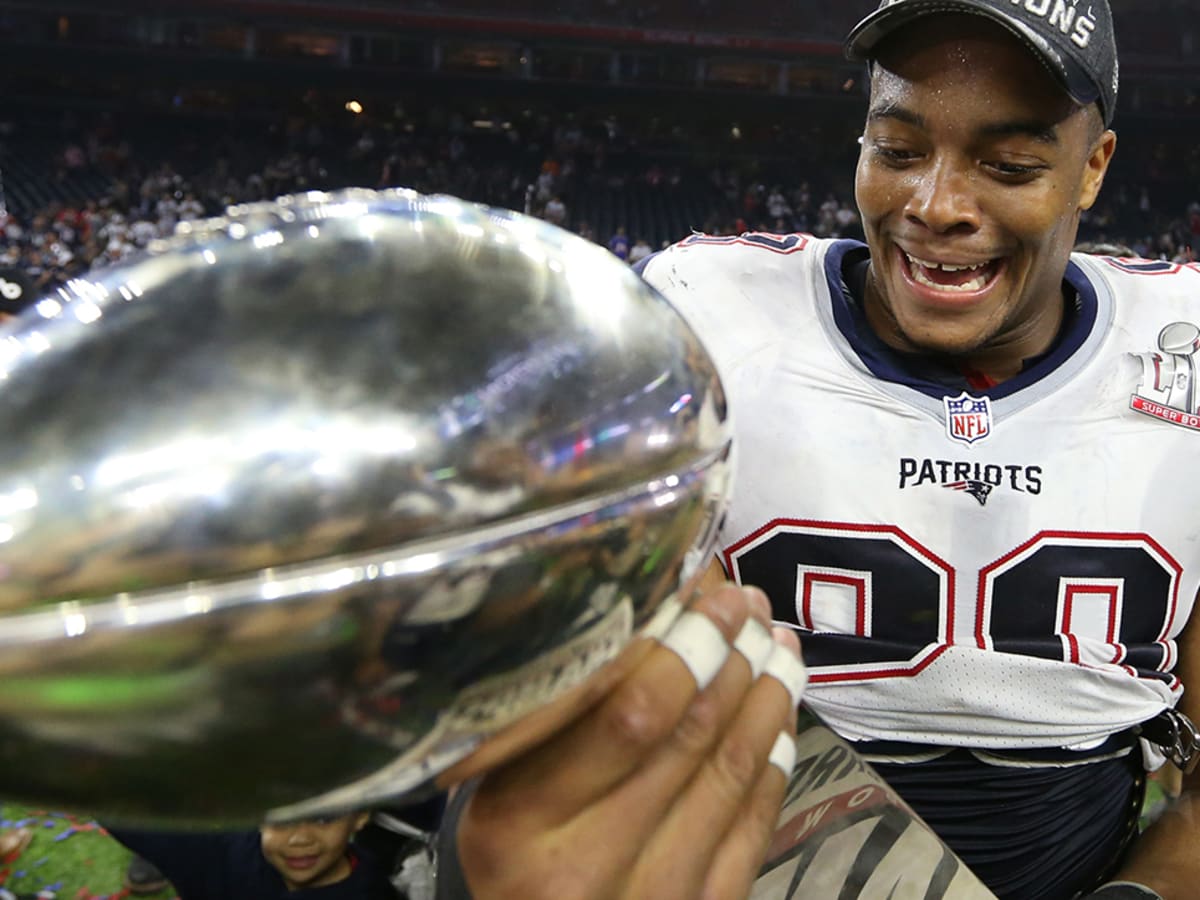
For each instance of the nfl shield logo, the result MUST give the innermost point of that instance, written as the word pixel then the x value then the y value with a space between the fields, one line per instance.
pixel 968 419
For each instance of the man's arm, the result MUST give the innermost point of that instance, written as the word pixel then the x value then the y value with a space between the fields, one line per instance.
pixel 1166 858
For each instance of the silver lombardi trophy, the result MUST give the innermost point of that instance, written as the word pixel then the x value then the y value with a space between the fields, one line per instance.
pixel 311 499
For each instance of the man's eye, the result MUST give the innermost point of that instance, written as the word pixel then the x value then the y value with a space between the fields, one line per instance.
pixel 895 155
pixel 1014 170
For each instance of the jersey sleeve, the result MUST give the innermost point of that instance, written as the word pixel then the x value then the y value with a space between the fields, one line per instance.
pixel 736 291
pixel 725 289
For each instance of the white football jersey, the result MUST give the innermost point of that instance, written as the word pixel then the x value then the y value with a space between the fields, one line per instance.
pixel 1001 568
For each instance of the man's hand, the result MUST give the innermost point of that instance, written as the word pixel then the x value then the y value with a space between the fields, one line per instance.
pixel 668 787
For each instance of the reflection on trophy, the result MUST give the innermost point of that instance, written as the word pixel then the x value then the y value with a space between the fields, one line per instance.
pixel 309 501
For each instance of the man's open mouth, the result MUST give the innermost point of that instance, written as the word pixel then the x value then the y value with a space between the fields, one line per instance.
pixel 963 278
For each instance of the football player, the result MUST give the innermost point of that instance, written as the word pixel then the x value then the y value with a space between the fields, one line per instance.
pixel 963 458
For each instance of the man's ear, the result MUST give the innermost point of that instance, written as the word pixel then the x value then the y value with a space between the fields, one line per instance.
pixel 1096 167
pixel 360 820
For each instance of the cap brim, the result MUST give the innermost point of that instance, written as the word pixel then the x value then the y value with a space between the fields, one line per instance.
pixel 863 42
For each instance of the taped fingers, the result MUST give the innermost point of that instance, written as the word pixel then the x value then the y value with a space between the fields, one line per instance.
pixel 632 813
pixel 783 753
pixel 785 666
pixel 577 767
pixel 722 679
pixel 731 779
pixel 666 772
pixel 587 780
pixel 755 644
pixel 699 644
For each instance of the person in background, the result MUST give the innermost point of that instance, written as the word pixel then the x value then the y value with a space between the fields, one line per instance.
pixel 639 251
pixel 618 244
pixel 314 859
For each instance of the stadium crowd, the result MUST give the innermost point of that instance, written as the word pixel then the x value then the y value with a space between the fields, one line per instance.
pixel 102 194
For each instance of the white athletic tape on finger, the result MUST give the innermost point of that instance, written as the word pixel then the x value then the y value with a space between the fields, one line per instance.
pixel 783 754
pixel 664 617
pixel 700 644
pixel 785 667
pixel 755 643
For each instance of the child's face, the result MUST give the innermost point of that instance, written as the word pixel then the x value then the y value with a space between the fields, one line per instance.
pixel 311 853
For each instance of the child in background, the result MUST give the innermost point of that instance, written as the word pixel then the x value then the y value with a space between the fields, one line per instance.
pixel 312 859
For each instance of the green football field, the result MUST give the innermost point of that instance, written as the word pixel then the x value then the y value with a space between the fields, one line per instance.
pixel 70 858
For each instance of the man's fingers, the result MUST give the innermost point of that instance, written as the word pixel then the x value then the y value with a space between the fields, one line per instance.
pixel 785 667
pixel 700 645
pixel 722 784
pixel 754 643
pixel 664 774
pixel 590 758
pixel 739 858
pixel 661 766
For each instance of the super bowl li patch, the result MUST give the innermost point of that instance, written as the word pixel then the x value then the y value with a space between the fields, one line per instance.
pixel 1168 389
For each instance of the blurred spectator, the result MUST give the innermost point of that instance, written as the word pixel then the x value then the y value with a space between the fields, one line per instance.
pixel 619 243
pixel 555 212
pixel 777 205
pixel 639 251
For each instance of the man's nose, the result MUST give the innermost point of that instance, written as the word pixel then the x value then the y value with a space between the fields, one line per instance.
pixel 944 198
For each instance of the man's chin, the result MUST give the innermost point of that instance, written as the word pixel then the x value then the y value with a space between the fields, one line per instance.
pixel 953 346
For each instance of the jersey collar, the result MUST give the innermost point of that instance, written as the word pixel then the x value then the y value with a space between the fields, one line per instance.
pixel 845 272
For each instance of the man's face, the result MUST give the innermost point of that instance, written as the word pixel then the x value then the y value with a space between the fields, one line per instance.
pixel 311 853
pixel 974 168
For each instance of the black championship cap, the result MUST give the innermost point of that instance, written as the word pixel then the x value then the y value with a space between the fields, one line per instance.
pixel 1073 38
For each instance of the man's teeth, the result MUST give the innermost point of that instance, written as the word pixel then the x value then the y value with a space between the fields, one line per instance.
pixel 919 266
pixel 978 283
pixel 945 267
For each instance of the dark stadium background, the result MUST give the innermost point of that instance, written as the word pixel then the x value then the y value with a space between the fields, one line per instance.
pixel 659 116
pixel 119 118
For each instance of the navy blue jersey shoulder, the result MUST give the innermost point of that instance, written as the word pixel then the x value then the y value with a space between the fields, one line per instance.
pixel 918 371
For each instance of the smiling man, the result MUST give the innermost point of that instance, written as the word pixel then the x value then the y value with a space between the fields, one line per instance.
pixel 963 478
pixel 970 185
pixel 952 441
